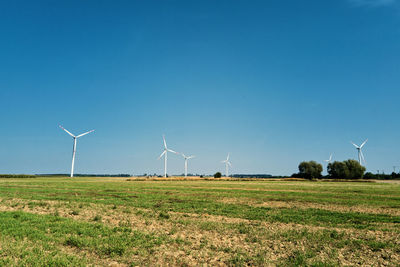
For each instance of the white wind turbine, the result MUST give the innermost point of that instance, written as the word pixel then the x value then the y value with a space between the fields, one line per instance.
pixel 186 161
pixel 74 147
pixel 227 164
pixel 164 153
pixel 329 160
pixel 360 154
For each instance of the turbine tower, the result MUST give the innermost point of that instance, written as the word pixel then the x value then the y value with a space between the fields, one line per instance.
pixel 329 160
pixel 186 161
pixel 227 164
pixel 360 154
pixel 165 153
pixel 74 147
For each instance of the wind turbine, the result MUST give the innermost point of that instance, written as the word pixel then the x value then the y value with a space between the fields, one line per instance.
pixel 394 168
pixel 329 160
pixel 186 161
pixel 360 154
pixel 74 147
pixel 165 153
pixel 227 164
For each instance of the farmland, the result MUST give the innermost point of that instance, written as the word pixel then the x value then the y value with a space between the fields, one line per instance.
pixel 115 222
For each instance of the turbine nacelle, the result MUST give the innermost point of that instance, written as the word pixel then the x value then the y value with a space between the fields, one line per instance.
pixel 187 157
pixel 75 136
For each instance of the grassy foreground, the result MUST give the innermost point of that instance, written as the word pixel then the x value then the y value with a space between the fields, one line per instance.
pixel 114 222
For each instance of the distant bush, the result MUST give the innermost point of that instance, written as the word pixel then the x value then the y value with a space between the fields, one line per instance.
pixel 310 170
pixel 17 176
pixel 381 176
pixel 395 175
pixel 97 218
pixel 217 175
pixel 74 212
pixel 163 215
pixel 348 169
pixel 369 175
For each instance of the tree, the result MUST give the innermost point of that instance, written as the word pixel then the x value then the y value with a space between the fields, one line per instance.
pixel 348 169
pixel 310 169
pixel 217 175
pixel 356 170
pixel 338 170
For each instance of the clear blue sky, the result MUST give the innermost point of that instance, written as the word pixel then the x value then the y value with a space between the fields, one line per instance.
pixel 272 82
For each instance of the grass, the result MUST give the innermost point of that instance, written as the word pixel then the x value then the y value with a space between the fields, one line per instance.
pixel 101 221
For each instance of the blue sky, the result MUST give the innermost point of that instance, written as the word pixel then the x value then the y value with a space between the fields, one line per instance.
pixel 272 82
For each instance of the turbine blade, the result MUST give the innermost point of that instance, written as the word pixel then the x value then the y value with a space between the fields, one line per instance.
pixel 354 145
pixel 165 143
pixel 227 158
pixel 67 131
pixel 85 133
pixel 190 157
pixel 170 150
pixel 364 143
pixel 229 163
pixel 162 154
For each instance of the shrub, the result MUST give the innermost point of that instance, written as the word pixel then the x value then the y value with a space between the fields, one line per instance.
pixel 163 215
pixel 97 218
pixel 74 212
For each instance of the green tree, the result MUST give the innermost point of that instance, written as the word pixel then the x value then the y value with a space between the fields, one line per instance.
pixel 338 170
pixel 356 171
pixel 310 169
pixel 217 175
pixel 348 169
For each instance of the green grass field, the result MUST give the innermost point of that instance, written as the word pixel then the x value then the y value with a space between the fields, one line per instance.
pixel 114 222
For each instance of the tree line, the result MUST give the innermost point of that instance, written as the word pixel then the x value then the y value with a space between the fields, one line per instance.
pixel 17 176
pixel 348 169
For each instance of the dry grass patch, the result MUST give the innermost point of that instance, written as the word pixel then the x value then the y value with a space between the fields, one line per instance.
pixel 310 205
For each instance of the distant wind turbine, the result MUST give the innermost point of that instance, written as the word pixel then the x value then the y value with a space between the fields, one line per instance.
pixel 360 154
pixel 227 164
pixel 394 168
pixel 186 161
pixel 329 160
pixel 165 153
pixel 74 147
